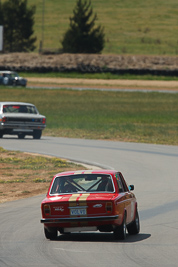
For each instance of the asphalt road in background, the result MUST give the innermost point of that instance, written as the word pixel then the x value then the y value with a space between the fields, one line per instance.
pixel 153 169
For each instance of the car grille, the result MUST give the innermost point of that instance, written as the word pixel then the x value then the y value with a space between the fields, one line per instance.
pixel 8 119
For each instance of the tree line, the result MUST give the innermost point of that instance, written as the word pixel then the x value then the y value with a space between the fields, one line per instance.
pixel 82 36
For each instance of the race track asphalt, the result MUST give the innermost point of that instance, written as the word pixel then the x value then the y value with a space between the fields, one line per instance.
pixel 153 169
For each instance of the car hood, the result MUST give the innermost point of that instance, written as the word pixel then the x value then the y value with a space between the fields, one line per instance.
pixel 20 78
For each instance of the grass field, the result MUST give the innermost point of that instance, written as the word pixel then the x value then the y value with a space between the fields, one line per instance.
pixel 125 116
pixel 131 27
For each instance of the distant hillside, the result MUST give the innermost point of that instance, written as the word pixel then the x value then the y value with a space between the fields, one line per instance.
pixel 133 27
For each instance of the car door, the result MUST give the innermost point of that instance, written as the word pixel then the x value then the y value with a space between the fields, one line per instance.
pixel 129 199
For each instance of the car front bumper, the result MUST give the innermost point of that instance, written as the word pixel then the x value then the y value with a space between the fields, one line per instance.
pixel 21 127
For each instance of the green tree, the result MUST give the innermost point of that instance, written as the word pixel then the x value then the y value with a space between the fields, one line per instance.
pixel 82 35
pixel 1 14
pixel 18 21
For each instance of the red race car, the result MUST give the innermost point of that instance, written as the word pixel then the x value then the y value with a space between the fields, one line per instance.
pixel 89 201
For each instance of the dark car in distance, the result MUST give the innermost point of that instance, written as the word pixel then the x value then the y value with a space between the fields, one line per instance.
pixel 11 78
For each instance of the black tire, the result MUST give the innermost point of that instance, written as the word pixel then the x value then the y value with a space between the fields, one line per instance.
pixel 120 231
pixel 37 134
pixel 50 235
pixel 1 134
pixel 134 227
pixel 14 83
pixel 21 135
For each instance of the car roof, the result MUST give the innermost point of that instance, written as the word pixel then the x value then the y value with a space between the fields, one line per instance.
pixel 6 71
pixel 15 103
pixel 85 172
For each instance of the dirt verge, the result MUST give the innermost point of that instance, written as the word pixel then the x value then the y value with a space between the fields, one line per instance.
pixel 105 84
pixel 25 175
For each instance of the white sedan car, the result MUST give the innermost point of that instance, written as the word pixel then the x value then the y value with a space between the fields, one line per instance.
pixel 21 119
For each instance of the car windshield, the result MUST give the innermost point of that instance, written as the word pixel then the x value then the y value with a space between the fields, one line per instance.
pixel 14 74
pixel 82 183
pixel 19 109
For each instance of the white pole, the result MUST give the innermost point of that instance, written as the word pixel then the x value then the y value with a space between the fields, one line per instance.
pixel 1 38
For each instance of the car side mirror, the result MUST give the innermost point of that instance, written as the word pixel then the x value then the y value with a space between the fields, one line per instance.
pixel 131 187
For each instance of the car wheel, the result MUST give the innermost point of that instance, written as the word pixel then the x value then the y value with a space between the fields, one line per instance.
pixel 134 227
pixel 120 231
pixel 50 235
pixel 1 134
pixel 21 135
pixel 14 83
pixel 37 134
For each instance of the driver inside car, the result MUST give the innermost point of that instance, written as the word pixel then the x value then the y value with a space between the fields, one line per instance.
pixel 105 185
pixel 69 187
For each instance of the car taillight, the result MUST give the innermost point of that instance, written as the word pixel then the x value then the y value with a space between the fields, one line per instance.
pixel 47 209
pixel 4 119
pixel 108 207
pixel 43 120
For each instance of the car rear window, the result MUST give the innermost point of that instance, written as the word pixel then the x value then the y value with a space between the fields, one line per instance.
pixel 91 183
pixel 19 109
